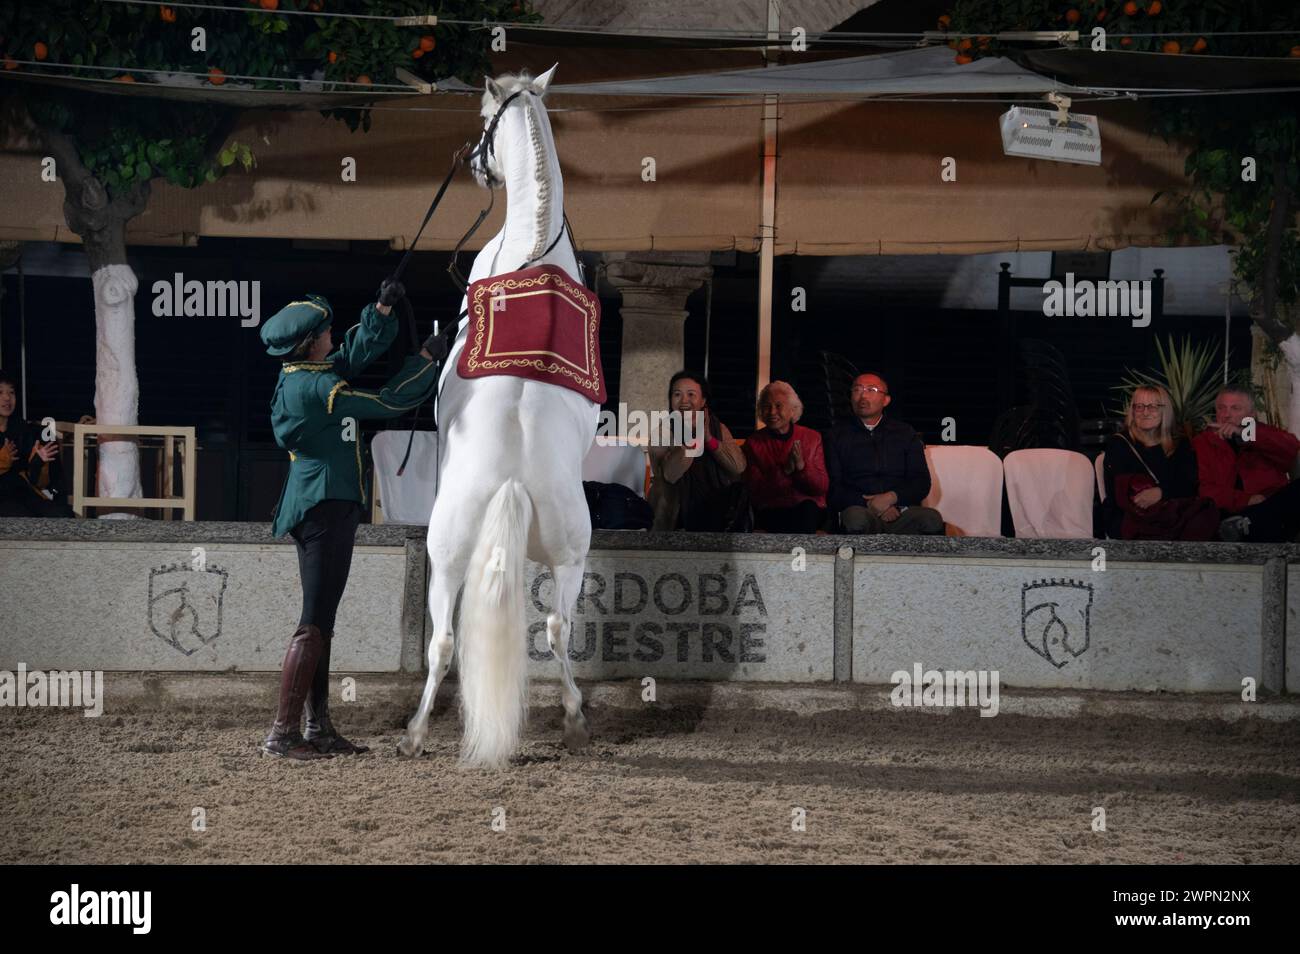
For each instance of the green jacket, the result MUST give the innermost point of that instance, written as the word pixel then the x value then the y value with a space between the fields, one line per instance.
pixel 311 403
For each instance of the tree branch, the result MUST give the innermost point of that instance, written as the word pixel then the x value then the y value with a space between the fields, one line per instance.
pixel 87 208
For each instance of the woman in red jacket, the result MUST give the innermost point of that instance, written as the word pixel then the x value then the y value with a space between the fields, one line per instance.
pixel 785 470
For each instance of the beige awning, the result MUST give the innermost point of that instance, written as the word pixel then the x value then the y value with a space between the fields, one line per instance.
pixel 853 178
pixel 864 179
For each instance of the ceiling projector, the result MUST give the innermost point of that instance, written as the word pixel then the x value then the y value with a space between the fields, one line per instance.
pixel 1040 134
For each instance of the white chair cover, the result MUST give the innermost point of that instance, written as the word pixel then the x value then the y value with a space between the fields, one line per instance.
pixel 616 464
pixel 966 488
pixel 1050 492
pixel 409 498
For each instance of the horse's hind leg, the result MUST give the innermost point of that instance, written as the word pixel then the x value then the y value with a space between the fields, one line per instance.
pixel 559 626
pixel 442 601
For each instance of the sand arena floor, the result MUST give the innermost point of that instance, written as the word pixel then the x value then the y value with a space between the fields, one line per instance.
pixel 687 783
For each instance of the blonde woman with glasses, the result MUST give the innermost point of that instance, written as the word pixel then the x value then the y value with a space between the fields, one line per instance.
pixel 1150 474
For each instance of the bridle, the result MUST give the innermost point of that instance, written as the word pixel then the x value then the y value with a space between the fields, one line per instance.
pixel 483 151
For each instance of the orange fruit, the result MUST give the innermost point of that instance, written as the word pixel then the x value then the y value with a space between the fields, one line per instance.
pixel 1127 41
pixel 964 45
pixel 1101 14
pixel 945 21
pixel 332 57
pixel 1072 16
pixel 11 63
pixel 315 6
pixel 1171 46
pixel 269 4
pixel 1154 7
pixel 1199 45
pixel 1295 51
pixel 364 80
pixel 962 59
pixel 426 43
pixel 984 42
pixel 417 53
pixel 167 14
pixel 216 76
pixel 1130 9
pixel 40 50
pixel 126 78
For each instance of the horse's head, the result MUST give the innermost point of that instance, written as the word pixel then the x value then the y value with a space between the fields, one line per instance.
pixel 499 96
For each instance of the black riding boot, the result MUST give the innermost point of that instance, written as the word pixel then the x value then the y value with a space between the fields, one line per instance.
pixel 320 729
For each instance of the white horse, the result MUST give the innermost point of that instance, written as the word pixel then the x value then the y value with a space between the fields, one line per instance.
pixel 511 466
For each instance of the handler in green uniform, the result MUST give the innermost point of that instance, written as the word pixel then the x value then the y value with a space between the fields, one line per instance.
pixel 314 415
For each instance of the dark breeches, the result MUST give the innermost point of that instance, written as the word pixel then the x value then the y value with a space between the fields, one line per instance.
pixel 325 538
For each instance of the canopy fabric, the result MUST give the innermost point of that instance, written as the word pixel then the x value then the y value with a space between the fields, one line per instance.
pixel 1137 70
pixel 927 70
pixel 195 89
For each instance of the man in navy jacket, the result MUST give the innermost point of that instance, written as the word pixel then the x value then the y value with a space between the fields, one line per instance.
pixel 877 468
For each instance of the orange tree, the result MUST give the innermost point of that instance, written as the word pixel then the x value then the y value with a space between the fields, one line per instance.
pixel 109 148
pixel 1243 161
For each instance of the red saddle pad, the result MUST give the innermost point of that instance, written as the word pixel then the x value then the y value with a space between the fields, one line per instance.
pixel 537 323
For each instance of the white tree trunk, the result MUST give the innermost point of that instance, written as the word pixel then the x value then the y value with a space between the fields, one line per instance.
pixel 117 390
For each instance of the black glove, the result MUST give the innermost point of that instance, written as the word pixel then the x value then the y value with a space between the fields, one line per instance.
pixel 436 345
pixel 391 292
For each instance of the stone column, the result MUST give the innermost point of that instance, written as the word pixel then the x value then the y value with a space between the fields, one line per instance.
pixel 654 286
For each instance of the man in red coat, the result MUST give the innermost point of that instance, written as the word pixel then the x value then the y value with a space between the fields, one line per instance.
pixel 1249 479
pixel 785 469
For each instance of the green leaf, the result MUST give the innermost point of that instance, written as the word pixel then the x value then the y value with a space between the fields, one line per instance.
pixel 142 171
pixel 227 156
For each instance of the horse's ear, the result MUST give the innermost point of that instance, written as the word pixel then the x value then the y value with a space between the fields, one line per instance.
pixel 492 88
pixel 542 82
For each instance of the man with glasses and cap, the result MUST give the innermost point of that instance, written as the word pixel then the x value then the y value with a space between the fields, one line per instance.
pixel 877 469
pixel 314 416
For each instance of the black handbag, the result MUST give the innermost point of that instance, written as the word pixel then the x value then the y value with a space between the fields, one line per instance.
pixel 614 507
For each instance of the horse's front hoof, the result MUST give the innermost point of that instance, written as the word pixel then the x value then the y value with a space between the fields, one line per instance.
pixel 576 735
pixel 408 748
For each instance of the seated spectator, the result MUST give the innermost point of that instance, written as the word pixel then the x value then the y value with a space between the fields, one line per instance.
pixel 1150 474
pixel 785 470
pixel 28 467
pixel 877 469
pixel 1249 479
pixel 702 490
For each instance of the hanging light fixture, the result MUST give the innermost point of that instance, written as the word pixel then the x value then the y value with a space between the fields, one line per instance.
pixel 1055 135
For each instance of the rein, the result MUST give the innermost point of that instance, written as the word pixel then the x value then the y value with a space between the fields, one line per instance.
pixel 486 147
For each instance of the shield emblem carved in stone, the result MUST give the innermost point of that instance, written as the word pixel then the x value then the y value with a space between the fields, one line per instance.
pixel 1055 619
pixel 185 605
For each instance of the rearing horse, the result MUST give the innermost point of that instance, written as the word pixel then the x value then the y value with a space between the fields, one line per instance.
pixel 511 465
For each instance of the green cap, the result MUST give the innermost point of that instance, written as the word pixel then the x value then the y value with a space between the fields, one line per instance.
pixel 287 328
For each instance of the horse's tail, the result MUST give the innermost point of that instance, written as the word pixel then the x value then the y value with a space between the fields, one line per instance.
pixel 493 653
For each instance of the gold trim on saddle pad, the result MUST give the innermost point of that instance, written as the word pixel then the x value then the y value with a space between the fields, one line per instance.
pixel 489 300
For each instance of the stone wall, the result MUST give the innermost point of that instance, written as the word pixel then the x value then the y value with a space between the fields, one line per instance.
pixel 136 595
